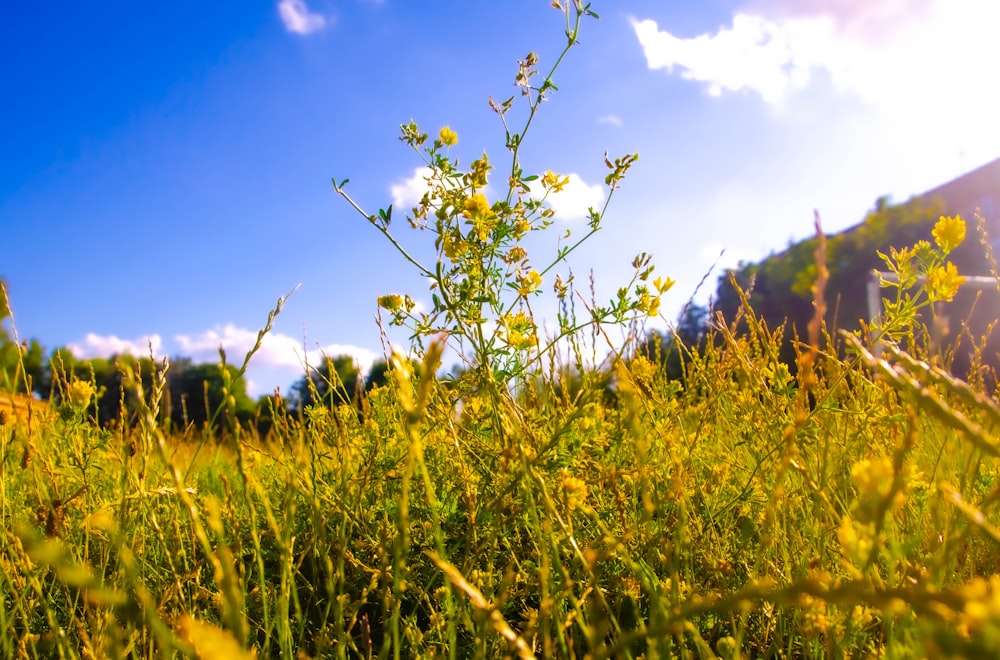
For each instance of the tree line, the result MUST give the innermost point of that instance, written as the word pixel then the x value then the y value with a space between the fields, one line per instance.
pixel 196 395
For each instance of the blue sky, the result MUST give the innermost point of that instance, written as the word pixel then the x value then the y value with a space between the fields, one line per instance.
pixel 165 168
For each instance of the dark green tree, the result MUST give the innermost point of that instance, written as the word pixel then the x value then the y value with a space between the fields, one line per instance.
pixel 20 364
pixel 378 375
pixel 673 347
pixel 202 393
pixel 336 381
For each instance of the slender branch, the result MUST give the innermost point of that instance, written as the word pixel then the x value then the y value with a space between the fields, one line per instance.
pixel 385 232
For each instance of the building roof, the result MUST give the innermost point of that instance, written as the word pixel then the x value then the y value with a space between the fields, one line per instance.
pixel 978 189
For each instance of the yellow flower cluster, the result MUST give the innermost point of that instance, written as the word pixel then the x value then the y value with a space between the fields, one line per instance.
pixel 574 488
pixel 856 539
pixel 519 330
pixel 648 304
pixel 815 620
pixel 874 479
pixel 478 173
pixel 79 393
pixel 392 302
pixel 528 283
pixel 943 282
pixel 554 182
pixel 515 254
pixel 949 232
pixel 873 476
pixel 982 609
pixel 480 215
pixel 448 137
pixel 663 285
pixel 453 246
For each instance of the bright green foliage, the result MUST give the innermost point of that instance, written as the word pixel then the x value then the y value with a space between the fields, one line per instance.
pixel 483 279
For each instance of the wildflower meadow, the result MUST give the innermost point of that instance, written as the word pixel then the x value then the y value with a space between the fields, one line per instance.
pixel 558 494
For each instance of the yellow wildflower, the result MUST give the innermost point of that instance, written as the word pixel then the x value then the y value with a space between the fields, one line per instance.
pixel 79 393
pixel 663 285
pixel 943 282
pixel 396 303
pixel 515 254
pixel 726 647
pixel 391 302
pixel 982 606
pixel 574 488
pixel 478 173
pixel 874 477
pixel 554 182
pixel 480 215
pixel 560 287
pixel 855 539
pixel 949 232
pixel 519 330
pixel 650 305
pixel 453 246
pixel 528 283
pixel 448 137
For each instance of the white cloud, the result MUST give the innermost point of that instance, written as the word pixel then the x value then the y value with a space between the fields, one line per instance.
pixel 930 64
pixel 925 69
pixel 94 345
pixel 614 120
pixel 407 193
pixel 772 59
pixel 575 200
pixel 276 350
pixel 297 18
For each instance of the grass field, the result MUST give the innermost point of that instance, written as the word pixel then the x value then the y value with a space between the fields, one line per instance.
pixel 727 515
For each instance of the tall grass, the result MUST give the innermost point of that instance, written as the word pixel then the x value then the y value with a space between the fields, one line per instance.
pixel 725 514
